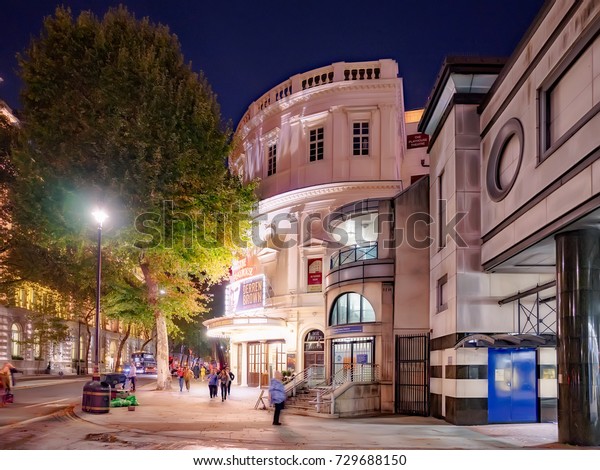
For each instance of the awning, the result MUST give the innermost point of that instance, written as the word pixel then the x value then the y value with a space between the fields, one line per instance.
pixel 231 325
pixel 505 340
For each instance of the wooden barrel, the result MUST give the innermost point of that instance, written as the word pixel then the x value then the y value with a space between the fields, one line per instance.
pixel 96 397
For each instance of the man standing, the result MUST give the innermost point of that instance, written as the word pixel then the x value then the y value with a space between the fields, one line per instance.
pixel 277 396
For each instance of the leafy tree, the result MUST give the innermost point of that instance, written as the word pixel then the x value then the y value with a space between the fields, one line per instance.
pixel 125 301
pixel 8 135
pixel 115 117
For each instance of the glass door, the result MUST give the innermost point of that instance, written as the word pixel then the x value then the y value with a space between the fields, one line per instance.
pixel 352 360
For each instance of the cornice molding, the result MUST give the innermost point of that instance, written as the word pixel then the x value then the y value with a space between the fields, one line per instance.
pixel 370 189
pixel 311 93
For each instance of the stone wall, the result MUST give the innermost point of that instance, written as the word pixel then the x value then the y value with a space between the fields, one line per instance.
pixel 357 399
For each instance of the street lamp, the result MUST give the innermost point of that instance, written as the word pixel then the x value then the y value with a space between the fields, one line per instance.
pixel 96 394
pixel 100 217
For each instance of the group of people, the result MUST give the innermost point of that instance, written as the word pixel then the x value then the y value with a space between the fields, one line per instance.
pixel 185 376
pixel 224 377
pixel 216 378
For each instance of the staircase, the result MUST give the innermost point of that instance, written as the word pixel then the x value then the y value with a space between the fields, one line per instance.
pixel 310 394
pixel 311 402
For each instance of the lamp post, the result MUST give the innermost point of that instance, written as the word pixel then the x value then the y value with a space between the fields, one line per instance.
pixel 100 217
pixel 96 395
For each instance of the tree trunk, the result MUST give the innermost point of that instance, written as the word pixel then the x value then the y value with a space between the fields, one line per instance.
pixel 121 345
pixel 163 375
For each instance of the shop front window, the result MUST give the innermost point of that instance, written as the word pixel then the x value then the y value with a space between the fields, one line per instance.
pixel 263 360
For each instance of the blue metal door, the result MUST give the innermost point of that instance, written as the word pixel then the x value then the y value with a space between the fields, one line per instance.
pixel 512 386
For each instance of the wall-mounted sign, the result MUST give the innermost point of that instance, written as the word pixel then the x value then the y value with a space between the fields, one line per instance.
pixel 314 280
pixel 361 358
pixel 243 268
pixel 245 295
pixel 291 362
pixel 341 330
pixel 414 141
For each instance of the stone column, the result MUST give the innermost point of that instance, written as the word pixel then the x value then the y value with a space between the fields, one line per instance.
pixel 578 313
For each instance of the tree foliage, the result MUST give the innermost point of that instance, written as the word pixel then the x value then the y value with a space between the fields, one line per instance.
pixel 8 135
pixel 115 117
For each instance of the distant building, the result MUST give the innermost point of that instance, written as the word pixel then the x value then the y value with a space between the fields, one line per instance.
pixel 7 112
pixel 24 300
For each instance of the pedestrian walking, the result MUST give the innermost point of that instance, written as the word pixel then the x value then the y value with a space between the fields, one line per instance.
pixel 231 377
pixel 277 396
pixel 180 377
pixel 6 376
pixel 202 373
pixel 188 375
pixel 223 380
pixel 5 382
pixel 213 380
pixel 132 376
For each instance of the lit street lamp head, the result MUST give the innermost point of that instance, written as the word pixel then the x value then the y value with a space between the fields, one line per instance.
pixel 100 216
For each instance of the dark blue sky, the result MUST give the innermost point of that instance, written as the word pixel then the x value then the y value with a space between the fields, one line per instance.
pixel 246 47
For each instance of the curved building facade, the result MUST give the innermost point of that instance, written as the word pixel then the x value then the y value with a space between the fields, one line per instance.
pixel 329 148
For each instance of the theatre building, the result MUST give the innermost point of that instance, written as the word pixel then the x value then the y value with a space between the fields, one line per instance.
pixel 316 288
pixel 515 292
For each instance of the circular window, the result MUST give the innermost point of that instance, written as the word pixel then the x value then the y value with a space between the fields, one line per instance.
pixel 505 160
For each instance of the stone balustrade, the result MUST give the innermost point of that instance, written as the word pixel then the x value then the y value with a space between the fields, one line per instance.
pixel 323 76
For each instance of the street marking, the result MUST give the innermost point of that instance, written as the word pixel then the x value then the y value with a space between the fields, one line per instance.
pixel 45 403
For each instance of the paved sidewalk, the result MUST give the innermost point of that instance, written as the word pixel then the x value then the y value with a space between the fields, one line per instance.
pixel 196 421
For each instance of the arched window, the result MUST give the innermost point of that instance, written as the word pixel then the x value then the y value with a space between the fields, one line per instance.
pixel 351 308
pixel 314 348
pixel 16 336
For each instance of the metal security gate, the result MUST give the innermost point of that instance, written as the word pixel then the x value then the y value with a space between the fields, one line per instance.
pixel 412 374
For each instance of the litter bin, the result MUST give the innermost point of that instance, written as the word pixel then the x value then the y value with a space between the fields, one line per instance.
pixel 96 397
pixel 114 379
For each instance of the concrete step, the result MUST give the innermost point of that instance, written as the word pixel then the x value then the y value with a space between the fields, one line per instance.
pixel 307 412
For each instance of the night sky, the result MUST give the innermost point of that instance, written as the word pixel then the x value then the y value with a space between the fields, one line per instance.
pixel 247 47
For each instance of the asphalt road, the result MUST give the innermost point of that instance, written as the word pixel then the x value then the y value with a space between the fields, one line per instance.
pixel 41 410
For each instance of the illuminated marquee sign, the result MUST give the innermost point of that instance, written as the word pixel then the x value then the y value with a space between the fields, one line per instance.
pixel 252 293
pixel 247 294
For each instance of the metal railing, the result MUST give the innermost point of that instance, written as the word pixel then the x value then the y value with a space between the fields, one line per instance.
pixel 349 373
pixel 360 252
pixel 311 376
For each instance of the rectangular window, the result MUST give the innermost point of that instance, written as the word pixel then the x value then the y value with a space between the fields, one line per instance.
pixel 569 99
pixel 316 144
pixel 442 293
pixel 360 138
pixel 272 160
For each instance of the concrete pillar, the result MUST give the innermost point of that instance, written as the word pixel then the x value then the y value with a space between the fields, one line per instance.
pixel 578 312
